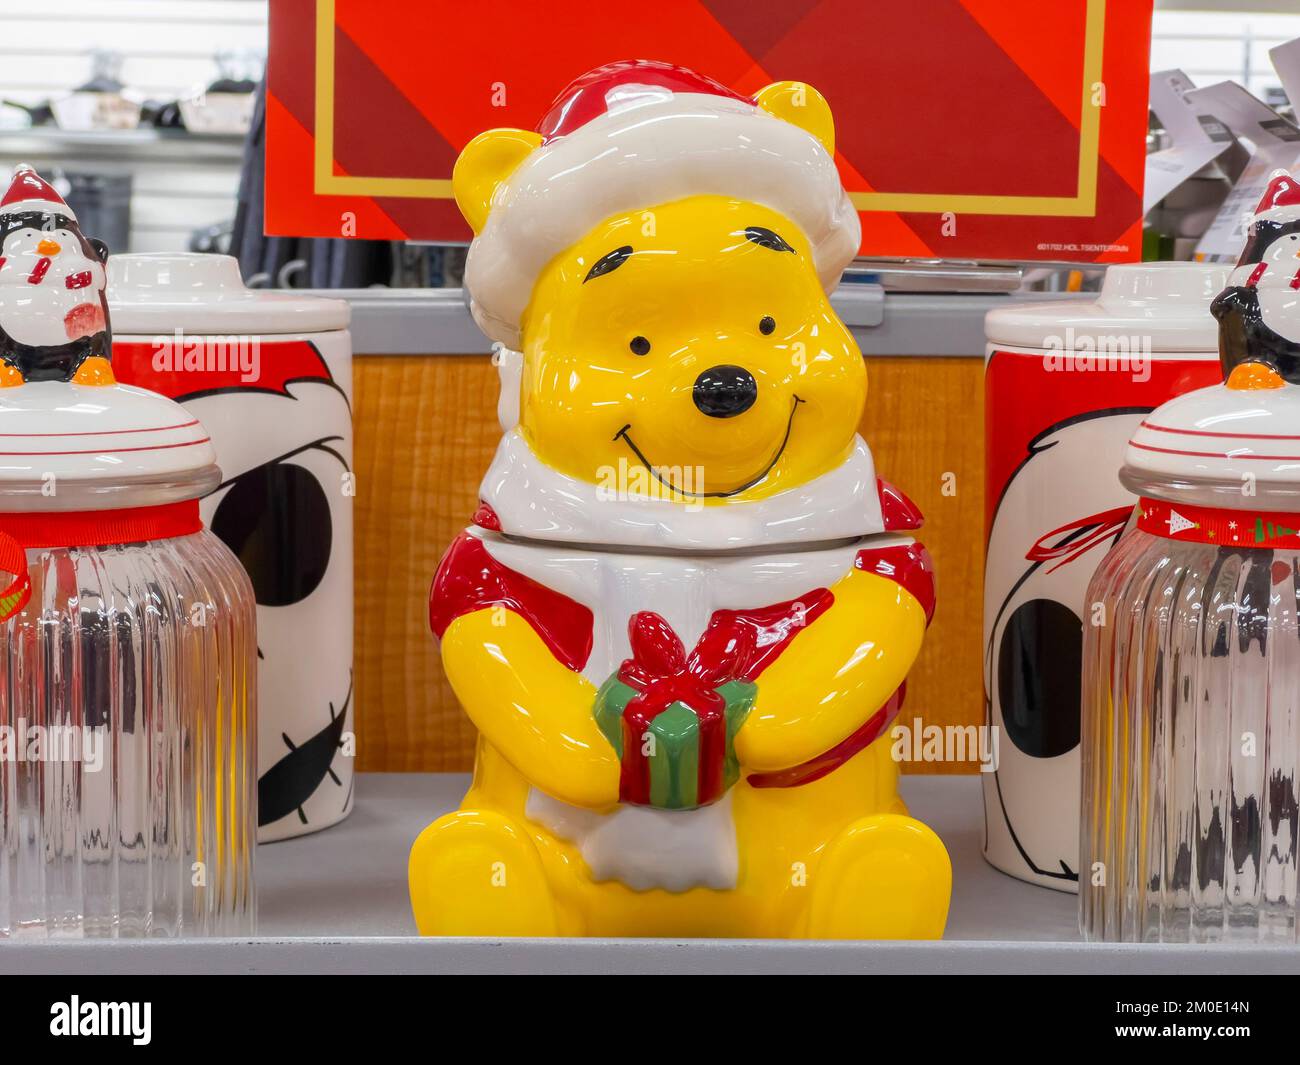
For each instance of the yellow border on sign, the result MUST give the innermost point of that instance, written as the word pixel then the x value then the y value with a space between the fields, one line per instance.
pixel 1082 205
pixel 327 182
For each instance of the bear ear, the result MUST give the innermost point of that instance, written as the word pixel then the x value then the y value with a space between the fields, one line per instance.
pixel 801 105
pixel 487 161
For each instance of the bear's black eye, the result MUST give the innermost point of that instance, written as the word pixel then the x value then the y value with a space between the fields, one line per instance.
pixel 766 324
pixel 640 346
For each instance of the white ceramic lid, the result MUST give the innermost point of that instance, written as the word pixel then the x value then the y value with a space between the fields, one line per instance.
pixel 1221 446
pixel 1167 302
pixel 152 294
pixel 67 447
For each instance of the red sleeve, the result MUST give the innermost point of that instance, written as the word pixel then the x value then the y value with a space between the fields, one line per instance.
pixel 906 564
pixel 470 579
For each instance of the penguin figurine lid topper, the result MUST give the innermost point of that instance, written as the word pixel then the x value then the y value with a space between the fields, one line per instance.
pixel 53 309
pixel 75 439
pixel 1241 438
pixel 1259 311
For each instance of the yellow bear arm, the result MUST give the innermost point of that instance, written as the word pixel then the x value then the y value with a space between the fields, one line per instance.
pixel 531 708
pixel 834 675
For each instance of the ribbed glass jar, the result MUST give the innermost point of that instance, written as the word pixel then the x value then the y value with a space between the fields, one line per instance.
pixel 1191 731
pixel 132 811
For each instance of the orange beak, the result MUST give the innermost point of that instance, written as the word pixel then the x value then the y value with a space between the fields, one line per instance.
pixel 49 247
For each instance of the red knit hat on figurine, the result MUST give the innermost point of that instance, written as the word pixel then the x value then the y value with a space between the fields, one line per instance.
pixel 630 134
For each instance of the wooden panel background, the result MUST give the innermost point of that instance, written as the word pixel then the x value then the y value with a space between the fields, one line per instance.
pixel 426 431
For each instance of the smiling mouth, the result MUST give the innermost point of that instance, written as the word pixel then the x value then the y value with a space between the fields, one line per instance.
pixel 625 434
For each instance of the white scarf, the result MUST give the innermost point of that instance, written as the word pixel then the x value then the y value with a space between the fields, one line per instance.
pixel 534 501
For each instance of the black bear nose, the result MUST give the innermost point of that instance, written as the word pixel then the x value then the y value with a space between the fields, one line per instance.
pixel 725 391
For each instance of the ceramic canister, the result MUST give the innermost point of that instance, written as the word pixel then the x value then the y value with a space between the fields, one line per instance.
pixel 1066 384
pixel 270 376
pixel 128 705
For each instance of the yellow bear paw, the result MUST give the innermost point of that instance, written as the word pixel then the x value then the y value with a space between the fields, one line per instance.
pixel 883 877
pixel 95 370
pixel 476 873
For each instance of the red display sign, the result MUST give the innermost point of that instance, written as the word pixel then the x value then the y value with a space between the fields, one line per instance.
pixel 978 129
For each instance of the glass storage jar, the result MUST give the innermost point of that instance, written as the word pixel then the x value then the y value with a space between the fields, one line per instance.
pixel 127 676
pixel 1191 679
pixel 1191 670
pixel 128 655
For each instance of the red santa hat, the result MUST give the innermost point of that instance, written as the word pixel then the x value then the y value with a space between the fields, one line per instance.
pixel 634 134
pixel 30 192
pixel 1281 200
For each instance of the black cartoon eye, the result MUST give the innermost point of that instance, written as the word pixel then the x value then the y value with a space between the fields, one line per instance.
pixel 607 264
pixel 767 238
pixel 766 325
pixel 640 346
pixel 1039 669
pixel 276 519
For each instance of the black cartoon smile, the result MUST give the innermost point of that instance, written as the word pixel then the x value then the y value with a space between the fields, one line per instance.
pixel 626 434
pixel 288 784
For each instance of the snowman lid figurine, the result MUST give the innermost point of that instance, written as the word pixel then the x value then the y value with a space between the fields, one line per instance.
pixel 75 440
pixel 1237 444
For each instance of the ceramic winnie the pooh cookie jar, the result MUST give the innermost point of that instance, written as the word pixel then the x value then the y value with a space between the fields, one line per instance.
pixel 684 615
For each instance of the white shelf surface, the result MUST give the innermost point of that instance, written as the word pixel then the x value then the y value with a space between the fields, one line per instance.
pixel 336 902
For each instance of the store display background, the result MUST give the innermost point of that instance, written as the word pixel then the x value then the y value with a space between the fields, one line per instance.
pixel 426 431
pixel 168 49
pixel 439 410
pixel 949 142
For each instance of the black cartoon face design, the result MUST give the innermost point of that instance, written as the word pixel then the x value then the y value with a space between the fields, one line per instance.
pixel 277 519
pixel 287 785
pixel 1050 532
pixel 280 418
pixel 1039 670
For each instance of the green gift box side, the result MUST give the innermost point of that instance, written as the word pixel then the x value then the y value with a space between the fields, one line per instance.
pixel 674 763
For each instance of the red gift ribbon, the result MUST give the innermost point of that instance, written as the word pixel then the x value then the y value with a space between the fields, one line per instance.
pixel 662 673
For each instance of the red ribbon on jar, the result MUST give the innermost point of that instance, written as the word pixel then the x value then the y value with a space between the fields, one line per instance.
pixel 93 528
pixel 1188 523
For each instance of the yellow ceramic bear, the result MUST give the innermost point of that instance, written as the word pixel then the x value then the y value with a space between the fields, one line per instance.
pixel 681 473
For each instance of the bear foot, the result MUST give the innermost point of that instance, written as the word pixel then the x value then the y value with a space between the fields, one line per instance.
pixel 476 873
pixel 883 877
